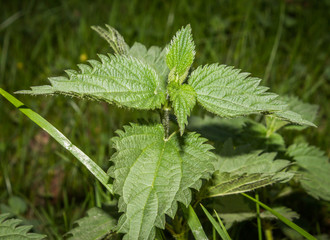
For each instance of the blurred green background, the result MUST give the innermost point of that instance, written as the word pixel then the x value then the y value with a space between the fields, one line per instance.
pixel 286 43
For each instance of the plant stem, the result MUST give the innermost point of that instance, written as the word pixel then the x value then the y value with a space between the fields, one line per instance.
pixel 269 234
pixel 166 117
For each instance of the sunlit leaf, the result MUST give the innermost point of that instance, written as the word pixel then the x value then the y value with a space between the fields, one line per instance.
pixel 183 98
pixel 152 173
pixel 123 80
pixel 181 53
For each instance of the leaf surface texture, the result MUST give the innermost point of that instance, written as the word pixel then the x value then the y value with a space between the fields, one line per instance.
pixel 181 52
pixel 228 93
pixel 238 172
pixel 183 98
pixel 95 226
pixel 123 80
pixel 315 169
pixel 153 173
pixel 10 228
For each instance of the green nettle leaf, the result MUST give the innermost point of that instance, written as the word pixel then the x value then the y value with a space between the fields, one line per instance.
pixel 293 117
pixel 183 98
pixel 315 169
pixel 113 37
pixel 180 54
pixel 298 112
pixel 238 172
pixel 95 226
pixel 123 80
pixel 152 173
pixel 227 92
pixel 10 229
pixel 153 57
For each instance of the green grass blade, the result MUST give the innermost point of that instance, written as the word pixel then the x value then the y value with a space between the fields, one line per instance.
pixel 224 235
pixel 282 218
pixel 221 224
pixel 258 218
pixel 61 139
pixel 194 223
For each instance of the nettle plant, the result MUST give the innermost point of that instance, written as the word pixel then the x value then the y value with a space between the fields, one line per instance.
pixel 161 172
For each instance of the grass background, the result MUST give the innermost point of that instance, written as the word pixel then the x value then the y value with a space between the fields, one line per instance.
pixel 286 43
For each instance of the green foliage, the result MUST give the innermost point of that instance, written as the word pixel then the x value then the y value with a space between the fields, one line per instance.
pixel 315 169
pixel 306 110
pixel 194 223
pixel 97 225
pixel 235 209
pixel 219 227
pixel 180 54
pixel 152 169
pixel 238 172
pixel 183 98
pixel 228 93
pixel 153 57
pixel 152 173
pixel 10 229
pixel 124 80
pixel 61 139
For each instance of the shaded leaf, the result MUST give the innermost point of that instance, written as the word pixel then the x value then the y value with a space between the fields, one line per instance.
pixel 180 54
pixel 315 168
pixel 153 57
pixel 123 80
pixel 235 208
pixel 183 98
pixel 152 173
pixel 237 173
pixel 10 229
pixel 95 226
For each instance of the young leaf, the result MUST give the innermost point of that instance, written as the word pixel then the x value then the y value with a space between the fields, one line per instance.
pixel 113 37
pixel 227 92
pixel 10 229
pixel 315 169
pixel 183 98
pixel 237 172
pixel 152 173
pixel 124 80
pixel 95 226
pixel 153 57
pixel 180 54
